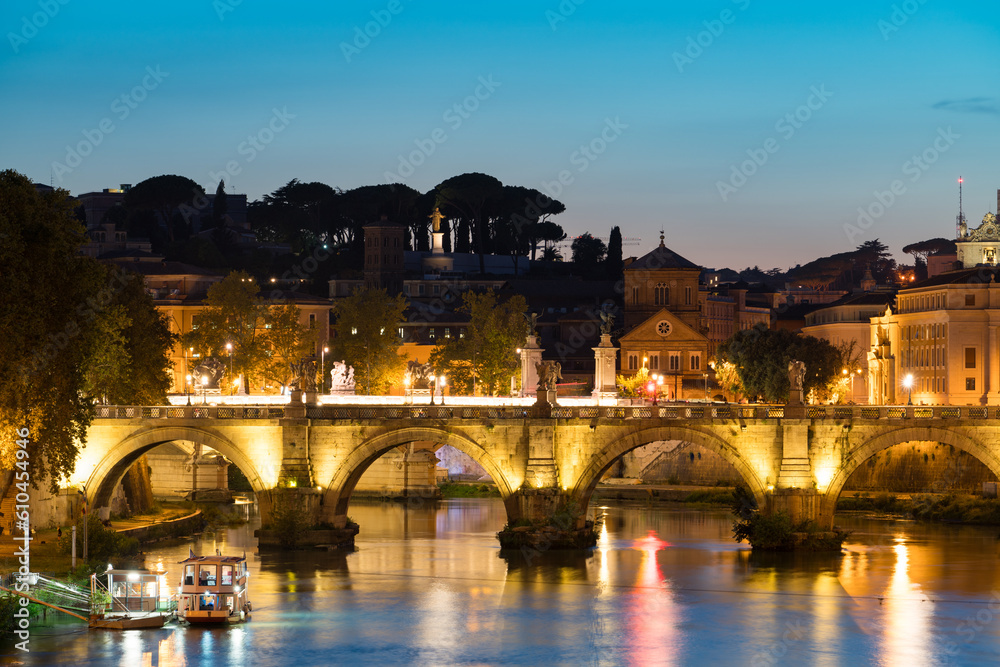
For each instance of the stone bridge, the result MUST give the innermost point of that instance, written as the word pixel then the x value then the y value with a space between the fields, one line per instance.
pixel 795 459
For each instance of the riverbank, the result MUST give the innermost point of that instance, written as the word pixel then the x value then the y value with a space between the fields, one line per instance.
pixel 169 520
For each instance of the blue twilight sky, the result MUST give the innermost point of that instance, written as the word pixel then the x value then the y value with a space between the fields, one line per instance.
pixel 668 98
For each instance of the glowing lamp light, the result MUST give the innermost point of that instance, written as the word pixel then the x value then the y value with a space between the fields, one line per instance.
pixel 133 576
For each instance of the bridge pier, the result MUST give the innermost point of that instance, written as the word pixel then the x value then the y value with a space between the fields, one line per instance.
pixel 292 518
pixel 545 519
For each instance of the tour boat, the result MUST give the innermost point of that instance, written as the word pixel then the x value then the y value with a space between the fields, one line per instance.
pixel 213 589
pixel 127 600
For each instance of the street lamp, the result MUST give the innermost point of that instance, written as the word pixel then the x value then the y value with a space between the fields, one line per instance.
pixel 443 381
pixel 204 390
pixel 705 375
pixel 322 368
pixel 406 390
pixel 908 383
pixel 187 388
pixel 433 381
pixel 229 346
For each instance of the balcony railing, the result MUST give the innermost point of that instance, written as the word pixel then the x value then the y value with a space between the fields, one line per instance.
pixel 492 412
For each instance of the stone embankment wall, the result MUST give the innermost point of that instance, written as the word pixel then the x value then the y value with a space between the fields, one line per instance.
pixel 921 467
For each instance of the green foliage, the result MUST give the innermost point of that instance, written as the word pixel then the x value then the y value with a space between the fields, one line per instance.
pixel 237 480
pixel 51 298
pixel 633 386
pixel 367 338
pixel 588 255
pixel 469 491
pixel 711 497
pixel 288 520
pixel 128 362
pixel 9 605
pixel 487 356
pixel 614 263
pixel 957 509
pixel 104 545
pixel 761 358
pixel 287 341
pixel 235 314
pixel 163 196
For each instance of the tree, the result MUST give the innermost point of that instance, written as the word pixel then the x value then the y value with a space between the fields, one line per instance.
pixel 129 360
pixel 486 358
pixel 469 198
pixel 287 342
pixel 936 246
pixel 163 195
pixel 51 298
pixel 761 358
pixel 234 314
pixel 220 206
pixel 614 263
pixel 588 253
pixel 367 338
pixel 549 233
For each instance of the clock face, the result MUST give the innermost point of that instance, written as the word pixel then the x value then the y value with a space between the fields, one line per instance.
pixel 664 328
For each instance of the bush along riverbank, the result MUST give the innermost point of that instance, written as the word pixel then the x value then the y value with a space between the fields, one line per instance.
pixel 951 508
pixel 776 532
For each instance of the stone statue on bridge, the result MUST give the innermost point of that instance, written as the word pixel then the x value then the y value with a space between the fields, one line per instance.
pixel 303 375
pixel 418 375
pixel 796 381
pixel 549 374
pixel 341 378
pixel 212 369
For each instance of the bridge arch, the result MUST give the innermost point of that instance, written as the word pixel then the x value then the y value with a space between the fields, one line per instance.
pixel 587 482
pixel 348 473
pixel 898 436
pixel 116 461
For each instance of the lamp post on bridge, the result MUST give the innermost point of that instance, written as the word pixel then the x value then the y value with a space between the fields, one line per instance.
pixel 908 383
pixel 229 346
pixel 433 383
pixel 204 390
pixel 322 368
pixel 187 387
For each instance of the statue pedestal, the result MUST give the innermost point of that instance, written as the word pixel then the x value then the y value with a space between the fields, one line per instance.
pixel 605 360
pixel 531 354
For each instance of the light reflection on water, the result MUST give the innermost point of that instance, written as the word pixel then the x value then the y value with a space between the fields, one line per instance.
pixel 427 586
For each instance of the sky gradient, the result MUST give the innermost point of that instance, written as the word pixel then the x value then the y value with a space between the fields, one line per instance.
pixel 683 94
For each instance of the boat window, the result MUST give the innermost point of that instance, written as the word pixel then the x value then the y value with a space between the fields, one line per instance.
pixel 189 575
pixel 118 590
pixel 151 590
pixel 207 602
pixel 227 575
pixel 135 589
pixel 206 575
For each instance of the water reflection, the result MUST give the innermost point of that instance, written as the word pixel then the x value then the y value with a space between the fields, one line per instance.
pixel 428 586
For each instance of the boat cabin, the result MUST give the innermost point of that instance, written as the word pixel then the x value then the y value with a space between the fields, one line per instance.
pixel 213 589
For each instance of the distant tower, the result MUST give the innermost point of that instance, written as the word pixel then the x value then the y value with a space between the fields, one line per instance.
pixel 868 281
pixel 960 224
pixel 384 246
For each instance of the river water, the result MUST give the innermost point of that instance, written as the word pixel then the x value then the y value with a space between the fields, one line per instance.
pixel 427 586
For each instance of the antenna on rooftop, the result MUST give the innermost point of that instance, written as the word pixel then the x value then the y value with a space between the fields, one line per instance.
pixel 960 225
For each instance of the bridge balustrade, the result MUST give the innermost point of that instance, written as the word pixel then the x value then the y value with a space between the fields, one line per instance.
pixel 494 412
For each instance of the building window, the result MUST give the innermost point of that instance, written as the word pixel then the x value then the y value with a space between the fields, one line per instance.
pixel 687 296
pixel 437 289
pixel 696 362
pixel 461 333
pixel 420 290
pixel 661 294
pixel 970 357
pixel 635 295
pixel 970 384
pixel 633 362
pixel 654 362
pixel 447 332
pixel 970 299
pixel 675 361
pixel 312 320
